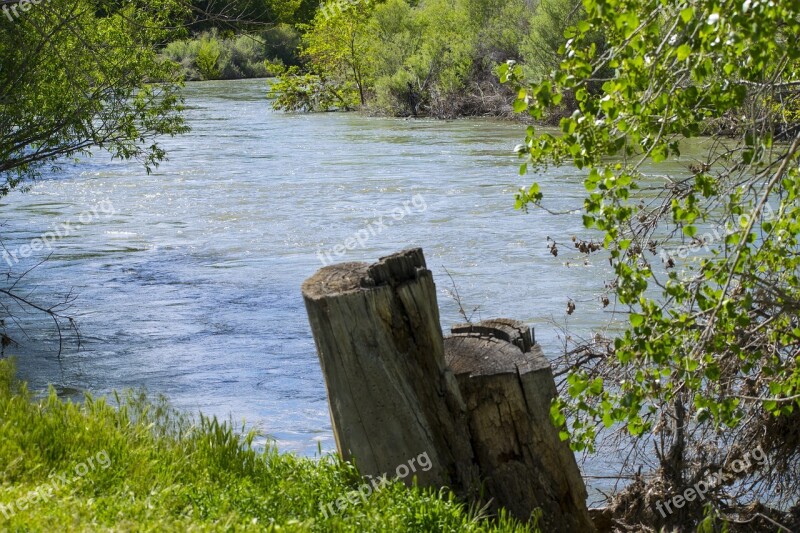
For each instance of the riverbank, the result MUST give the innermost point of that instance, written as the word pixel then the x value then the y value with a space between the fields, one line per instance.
pixel 142 465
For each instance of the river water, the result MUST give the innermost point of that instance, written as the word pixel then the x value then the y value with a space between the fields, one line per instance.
pixel 187 281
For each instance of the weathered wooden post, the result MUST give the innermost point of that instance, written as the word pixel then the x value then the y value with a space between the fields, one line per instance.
pixel 477 402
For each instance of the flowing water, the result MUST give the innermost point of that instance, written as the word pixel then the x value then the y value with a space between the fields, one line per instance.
pixel 187 281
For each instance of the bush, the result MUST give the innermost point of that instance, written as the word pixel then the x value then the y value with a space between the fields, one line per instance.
pixel 311 93
pixel 431 73
pixel 211 55
pixel 184 53
pixel 396 94
pixel 208 57
pixel 282 44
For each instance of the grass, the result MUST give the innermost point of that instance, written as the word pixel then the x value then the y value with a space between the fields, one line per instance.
pixel 140 465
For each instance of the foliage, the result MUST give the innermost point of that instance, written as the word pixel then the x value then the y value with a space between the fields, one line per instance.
pixel 166 472
pixel 247 15
pixel 500 27
pixel 336 45
pixel 210 56
pixel 282 44
pixel 75 75
pixel 406 58
pixel 548 22
pixel 207 58
pixel 539 51
pixel 294 91
pixel 396 30
pixel 709 359
pixel 423 56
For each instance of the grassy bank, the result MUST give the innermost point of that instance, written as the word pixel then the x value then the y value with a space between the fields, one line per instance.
pixel 142 466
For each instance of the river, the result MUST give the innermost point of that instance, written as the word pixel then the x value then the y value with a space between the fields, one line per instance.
pixel 187 280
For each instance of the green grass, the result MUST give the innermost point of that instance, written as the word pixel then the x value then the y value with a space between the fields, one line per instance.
pixel 142 466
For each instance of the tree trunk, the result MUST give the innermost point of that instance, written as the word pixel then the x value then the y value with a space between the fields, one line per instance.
pixel 380 345
pixel 508 386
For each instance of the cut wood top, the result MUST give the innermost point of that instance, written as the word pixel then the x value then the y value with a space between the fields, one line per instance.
pixel 514 331
pixel 335 279
pixel 349 277
pixel 487 356
pixel 490 347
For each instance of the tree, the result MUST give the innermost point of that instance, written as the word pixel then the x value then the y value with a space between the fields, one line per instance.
pixel 208 57
pixel 237 15
pixel 708 365
pixel 548 22
pixel 422 57
pixel 336 46
pixel 337 73
pixel 75 75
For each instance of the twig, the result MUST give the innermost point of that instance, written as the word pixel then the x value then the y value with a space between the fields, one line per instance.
pixel 457 297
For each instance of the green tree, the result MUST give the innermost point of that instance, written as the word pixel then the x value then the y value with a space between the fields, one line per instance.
pixel 337 44
pixel 208 58
pixel 75 75
pixel 422 57
pixel 708 365
pixel 335 50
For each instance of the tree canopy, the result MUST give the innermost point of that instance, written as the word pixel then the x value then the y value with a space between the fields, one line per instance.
pixel 78 74
pixel 400 57
pixel 707 364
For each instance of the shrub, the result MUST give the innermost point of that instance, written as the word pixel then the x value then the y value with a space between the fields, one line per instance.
pixel 211 55
pixel 208 57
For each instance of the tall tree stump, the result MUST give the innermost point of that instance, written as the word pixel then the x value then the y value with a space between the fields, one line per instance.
pixel 508 386
pixel 392 398
pixel 478 402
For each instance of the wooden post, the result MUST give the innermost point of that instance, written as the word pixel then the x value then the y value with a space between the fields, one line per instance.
pixel 478 402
